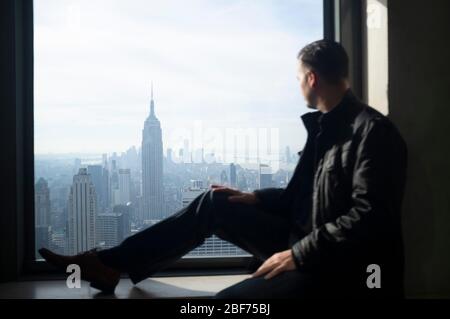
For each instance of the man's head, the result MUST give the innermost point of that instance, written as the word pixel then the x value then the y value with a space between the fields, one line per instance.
pixel 322 68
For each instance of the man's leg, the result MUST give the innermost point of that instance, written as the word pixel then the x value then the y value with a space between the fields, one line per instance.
pixel 289 284
pixel 260 233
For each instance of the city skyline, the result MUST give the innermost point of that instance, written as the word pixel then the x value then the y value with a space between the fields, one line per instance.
pixel 106 202
pixel 107 165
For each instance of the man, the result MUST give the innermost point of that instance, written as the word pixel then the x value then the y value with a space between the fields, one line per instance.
pixel 338 217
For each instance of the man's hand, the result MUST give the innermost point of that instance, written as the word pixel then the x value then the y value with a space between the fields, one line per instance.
pixel 236 195
pixel 275 265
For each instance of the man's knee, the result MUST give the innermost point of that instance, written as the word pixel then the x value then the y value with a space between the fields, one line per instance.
pixel 219 200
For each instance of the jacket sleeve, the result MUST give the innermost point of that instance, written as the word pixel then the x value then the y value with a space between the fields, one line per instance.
pixel 269 198
pixel 371 211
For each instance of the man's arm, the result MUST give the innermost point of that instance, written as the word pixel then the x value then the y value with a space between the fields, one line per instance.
pixel 372 213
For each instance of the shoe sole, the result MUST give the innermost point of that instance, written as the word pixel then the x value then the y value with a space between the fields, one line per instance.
pixel 102 287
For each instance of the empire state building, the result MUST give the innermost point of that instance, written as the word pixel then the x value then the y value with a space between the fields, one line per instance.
pixel 152 166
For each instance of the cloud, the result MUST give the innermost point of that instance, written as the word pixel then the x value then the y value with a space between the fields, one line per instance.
pixel 222 62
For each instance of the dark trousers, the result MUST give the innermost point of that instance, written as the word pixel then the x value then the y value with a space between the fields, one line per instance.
pixel 260 233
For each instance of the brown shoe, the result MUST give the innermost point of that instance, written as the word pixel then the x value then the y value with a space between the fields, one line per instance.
pixel 92 269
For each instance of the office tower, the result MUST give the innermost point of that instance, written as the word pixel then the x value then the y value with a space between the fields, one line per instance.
pixel 105 188
pixel 114 183
pixel 42 214
pixel 58 241
pixel 152 166
pixel 213 246
pixel 125 213
pixel 96 178
pixel 131 158
pixel 113 228
pixel 265 176
pixel 124 187
pixel 107 230
pixel 233 179
pixel 189 194
pixel 42 203
pixel 114 161
pixel 139 163
pixel 81 213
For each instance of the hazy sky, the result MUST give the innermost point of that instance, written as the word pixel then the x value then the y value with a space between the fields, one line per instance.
pixel 224 64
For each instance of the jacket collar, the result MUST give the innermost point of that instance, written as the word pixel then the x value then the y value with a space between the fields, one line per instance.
pixel 313 120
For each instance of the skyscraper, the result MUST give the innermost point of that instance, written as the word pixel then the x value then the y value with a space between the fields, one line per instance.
pixel 105 188
pixel 42 203
pixel 265 176
pixel 95 171
pixel 81 213
pixel 124 186
pixel 152 166
pixel 42 214
pixel 233 179
pixel 112 228
pixel 114 183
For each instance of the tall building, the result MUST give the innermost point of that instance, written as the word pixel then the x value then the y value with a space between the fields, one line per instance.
pixel 124 187
pixel 233 177
pixel 96 178
pixel 265 176
pixel 190 193
pixel 113 228
pixel 81 213
pixel 125 213
pixel 105 188
pixel 42 215
pixel 114 183
pixel 131 158
pixel 242 182
pixel 58 241
pixel 152 166
pixel 42 203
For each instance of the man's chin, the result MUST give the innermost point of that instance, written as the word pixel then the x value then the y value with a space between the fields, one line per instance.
pixel 313 107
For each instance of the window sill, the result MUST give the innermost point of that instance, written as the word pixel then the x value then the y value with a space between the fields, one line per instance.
pixel 205 286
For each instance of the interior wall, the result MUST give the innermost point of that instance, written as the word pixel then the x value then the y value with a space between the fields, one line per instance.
pixel 419 103
pixel 8 138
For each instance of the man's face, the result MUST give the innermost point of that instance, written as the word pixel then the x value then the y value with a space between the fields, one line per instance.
pixel 308 82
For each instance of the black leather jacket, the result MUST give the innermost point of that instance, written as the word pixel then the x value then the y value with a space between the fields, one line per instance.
pixel 356 161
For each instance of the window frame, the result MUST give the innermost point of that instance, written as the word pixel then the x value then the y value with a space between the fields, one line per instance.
pixel 25 245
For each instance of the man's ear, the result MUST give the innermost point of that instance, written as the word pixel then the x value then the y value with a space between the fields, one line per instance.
pixel 312 79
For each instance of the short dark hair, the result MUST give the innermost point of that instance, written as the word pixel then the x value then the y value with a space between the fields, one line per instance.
pixel 327 58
